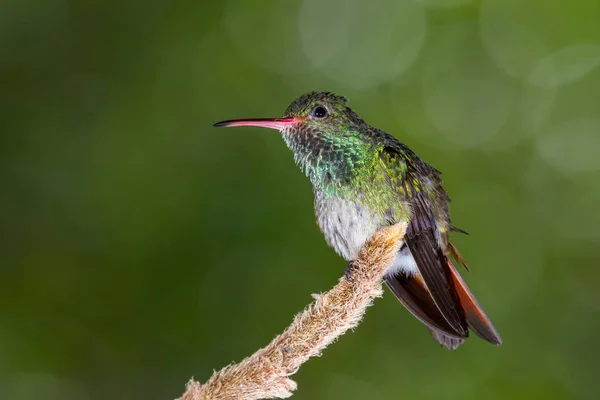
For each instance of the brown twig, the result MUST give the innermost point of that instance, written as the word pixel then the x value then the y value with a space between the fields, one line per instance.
pixel 264 375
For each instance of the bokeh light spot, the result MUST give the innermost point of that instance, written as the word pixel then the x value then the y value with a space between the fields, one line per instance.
pixel 535 105
pixel 573 146
pixel 268 36
pixel 465 97
pixel 510 43
pixel 361 44
pixel 566 65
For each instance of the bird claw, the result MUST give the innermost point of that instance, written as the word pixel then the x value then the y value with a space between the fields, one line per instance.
pixel 348 271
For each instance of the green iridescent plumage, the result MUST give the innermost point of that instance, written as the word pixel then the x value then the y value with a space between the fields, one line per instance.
pixel 344 156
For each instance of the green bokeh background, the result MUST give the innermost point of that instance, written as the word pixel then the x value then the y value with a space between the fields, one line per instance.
pixel 139 246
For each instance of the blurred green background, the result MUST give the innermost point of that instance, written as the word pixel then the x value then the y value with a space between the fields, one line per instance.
pixel 139 246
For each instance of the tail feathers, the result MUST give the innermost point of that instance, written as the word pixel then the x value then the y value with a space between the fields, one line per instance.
pixel 455 254
pixel 413 294
pixel 476 318
pixel 448 342
pixel 455 229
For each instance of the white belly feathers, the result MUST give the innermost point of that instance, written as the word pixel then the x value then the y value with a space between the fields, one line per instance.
pixel 348 225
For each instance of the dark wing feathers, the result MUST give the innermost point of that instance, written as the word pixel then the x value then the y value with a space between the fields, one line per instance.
pixel 431 261
pixel 418 301
pixel 427 203
pixel 434 270
pixel 437 296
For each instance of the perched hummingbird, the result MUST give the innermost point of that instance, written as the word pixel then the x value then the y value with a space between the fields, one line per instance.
pixel 365 179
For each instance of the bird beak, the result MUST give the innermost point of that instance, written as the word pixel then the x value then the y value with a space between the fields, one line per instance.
pixel 273 123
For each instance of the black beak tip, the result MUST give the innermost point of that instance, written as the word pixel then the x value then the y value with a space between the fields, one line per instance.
pixel 221 124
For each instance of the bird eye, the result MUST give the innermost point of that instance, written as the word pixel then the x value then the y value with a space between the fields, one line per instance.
pixel 319 112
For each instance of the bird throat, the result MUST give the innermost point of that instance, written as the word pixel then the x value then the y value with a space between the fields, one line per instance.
pixel 329 160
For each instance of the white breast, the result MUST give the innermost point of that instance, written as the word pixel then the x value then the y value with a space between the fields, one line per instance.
pixel 348 225
pixel 345 224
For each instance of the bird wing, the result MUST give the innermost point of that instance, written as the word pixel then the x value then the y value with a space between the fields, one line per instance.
pixel 441 278
pixel 407 174
pixel 433 267
pixel 440 282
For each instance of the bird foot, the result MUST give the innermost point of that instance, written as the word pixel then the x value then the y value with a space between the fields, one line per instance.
pixel 348 271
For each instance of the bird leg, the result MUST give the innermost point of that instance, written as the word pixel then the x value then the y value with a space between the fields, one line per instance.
pixel 348 271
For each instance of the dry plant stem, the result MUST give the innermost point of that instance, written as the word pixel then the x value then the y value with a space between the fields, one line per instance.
pixel 264 374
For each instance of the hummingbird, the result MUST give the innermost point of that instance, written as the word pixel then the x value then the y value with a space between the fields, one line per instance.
pixel 365 179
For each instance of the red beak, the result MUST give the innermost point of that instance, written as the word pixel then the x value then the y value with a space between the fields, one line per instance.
pixel 273 123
